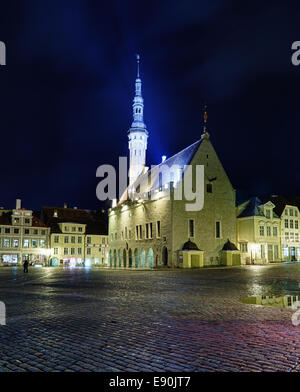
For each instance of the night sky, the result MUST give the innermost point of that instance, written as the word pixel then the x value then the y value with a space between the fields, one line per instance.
pixel 67 90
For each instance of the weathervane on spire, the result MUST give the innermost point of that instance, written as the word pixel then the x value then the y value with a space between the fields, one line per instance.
pixel 205 133
pixel 138 65
pixel 205 117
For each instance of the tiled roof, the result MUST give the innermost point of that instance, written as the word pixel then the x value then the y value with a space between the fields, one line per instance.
pixel 5 218
pixel 150 180
pixel 65 215
pixel 96 222
pixel 252 208
pixel 37 222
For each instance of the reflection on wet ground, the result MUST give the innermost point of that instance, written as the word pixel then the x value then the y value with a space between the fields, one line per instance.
pixel 271 300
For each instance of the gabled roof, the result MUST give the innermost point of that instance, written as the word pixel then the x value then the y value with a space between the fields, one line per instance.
pixel 150 180
pixel 280 202
pixel 36 222
pixel 252 208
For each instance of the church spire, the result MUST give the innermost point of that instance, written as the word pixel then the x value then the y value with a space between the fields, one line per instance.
pixel 138 102
pixel 137 133
pixel 138 65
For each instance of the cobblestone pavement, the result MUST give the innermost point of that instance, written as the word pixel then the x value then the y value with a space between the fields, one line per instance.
pixel 101 320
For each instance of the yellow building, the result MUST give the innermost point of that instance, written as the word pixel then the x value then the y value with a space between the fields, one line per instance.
pixel 258 232
pixel 288 211
pixel 23 237
pixel 76 239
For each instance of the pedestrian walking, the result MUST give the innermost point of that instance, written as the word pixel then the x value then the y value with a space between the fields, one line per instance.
pixel 25 266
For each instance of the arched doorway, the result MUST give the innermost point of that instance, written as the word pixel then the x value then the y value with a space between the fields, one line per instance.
pixel 124 258
pixel 165 256
pixel 110 259
pixel 136 258
pixel 54 262
pixel 130 258
pixel 120 258
pixel 150 258
pixel 143 258
pixel 115 258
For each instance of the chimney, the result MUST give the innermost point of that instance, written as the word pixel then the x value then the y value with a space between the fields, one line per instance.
pixel 65 205
pixel 18 204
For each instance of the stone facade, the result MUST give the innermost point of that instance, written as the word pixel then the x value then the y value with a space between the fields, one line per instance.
pixel 150 233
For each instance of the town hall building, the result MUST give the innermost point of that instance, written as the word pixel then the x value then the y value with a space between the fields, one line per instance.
pixel 151 227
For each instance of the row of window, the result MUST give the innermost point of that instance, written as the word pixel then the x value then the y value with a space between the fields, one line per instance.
pixel 27 243
pixel 293 224
pixel 15 230
pixel 291 212
pixel 149 227
pixel 16 221
pixel 291 236
pixel 273 250
pixel 126 233
pixel 79 251
pixel 74 229
pixel 72 240
pixel 191 230
pixel 268 231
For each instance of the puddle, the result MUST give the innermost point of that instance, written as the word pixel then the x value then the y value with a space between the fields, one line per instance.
pixel 285 301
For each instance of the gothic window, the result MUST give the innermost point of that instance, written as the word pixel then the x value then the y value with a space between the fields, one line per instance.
pixel 191 228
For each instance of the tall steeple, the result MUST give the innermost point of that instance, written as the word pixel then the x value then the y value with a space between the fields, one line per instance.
pixel 137 133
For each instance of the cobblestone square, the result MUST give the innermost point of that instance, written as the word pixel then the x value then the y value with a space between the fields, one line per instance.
pixel 175 320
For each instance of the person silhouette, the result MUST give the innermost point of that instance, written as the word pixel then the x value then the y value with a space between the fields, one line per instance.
pixel 25 266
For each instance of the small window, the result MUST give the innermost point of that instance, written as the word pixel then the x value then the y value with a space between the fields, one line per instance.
pixel 158 229
pixel 218 229
pixel 209 188
pixel 244 247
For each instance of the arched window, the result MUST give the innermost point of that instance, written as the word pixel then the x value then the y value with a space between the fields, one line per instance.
pixel 136 258
pixel 150 258
pixel 143 258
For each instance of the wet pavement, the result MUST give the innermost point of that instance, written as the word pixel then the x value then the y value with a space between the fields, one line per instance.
pixel 180 320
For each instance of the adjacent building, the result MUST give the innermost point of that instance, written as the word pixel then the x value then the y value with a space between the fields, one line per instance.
pixel 77 237
pixel 23 237
pixel 258 232
pixel 288 211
